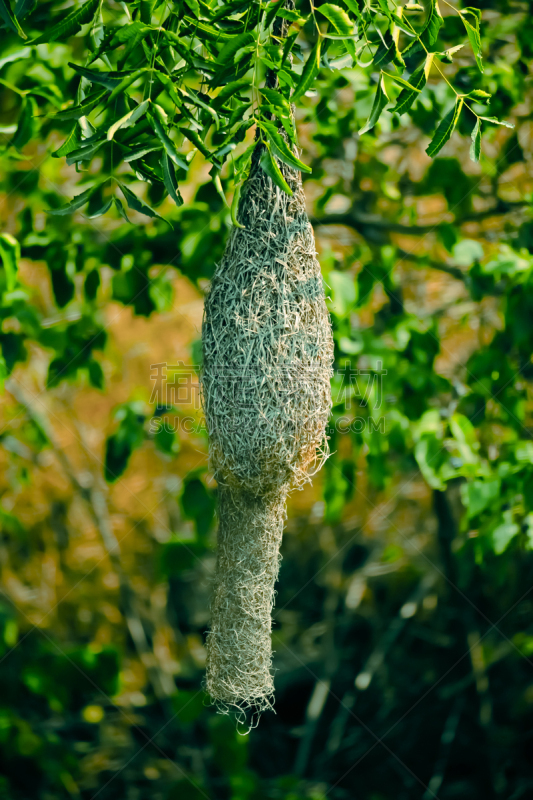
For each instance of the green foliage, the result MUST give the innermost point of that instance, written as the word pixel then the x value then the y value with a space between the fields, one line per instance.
pixel 189 79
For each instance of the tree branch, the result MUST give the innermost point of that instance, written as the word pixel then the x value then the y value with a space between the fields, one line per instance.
pixel 361 222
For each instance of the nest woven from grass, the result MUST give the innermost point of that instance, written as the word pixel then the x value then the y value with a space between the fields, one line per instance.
pixel 268 353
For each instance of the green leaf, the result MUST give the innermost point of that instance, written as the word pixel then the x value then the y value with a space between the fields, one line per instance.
pixel 126 82
pixel 479 94
pixel 24 7
pixel 293 16
pixel 337 17
pixel 121 210
pixel 231 47
pixel 433 25
pixel 276 99
pixel 108 79
pixel 342 24
pixel 9 18
pixel 429 33
pixel 386 51
pixel 75 203
pixel 133 30
pixel 235 207
pixel 192 98
pixel 270 168
pixel 169 179
pixel 447 56
pixel 274 7
pixel 280 147
pixel 208 32
pixel 85 152
pixel 167 142
pixel 475 147
pixel 498 122
pixel 18 55
pixel 139 152
pixel 476 12
pixel 344 291
pixel 354 8
pixel 10 255
pixel 130 34
pixel 193 137
pixel 101 211
pixel 309 71
pixel 26 124
pixel 503 535
pixel 445 129
pixel 136 204
pixel 402 82
pixel 404 25
pixel 147 9
pixel 384 6
pixel 128 119
pixel 428 454
pixel 479 495
pixel 90 102
pixel 72 142
pixel 407 97
pixel 380 101
pixel 228 91
pixel 70 25
pixel 474 39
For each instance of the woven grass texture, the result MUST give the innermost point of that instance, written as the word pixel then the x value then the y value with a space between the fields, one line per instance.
pixel 268 353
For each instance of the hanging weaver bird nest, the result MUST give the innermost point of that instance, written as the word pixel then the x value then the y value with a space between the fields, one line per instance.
pixel 268 353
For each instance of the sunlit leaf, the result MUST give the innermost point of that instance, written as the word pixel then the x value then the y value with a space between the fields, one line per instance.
pixel 380 101
pixel 407 96
pixel 72 142
pixel 475 147
pixel 10 256
pixel 139 152
pixel 309 71
pixel 498 122
pixel 337 17
pixel 473 35
pixel 128 119
pixel 445 129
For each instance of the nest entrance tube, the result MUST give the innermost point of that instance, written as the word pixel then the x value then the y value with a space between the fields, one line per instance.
pixel 238 645
pixel 268 353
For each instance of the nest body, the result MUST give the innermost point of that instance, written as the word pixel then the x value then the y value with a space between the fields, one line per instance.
pixel 268 347
pixel 268 353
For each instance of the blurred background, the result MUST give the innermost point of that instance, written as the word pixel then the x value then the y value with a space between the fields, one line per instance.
pixel 403 627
